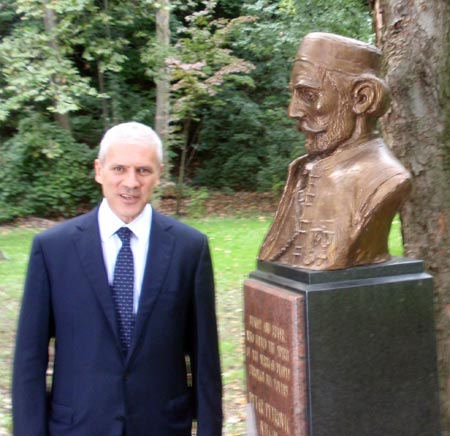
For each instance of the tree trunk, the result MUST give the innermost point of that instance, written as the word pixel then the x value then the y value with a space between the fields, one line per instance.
pixel 102 89
pixel 162 78
pixel 101 74
pixel 415 39
pixel 50 26
pixel 182 169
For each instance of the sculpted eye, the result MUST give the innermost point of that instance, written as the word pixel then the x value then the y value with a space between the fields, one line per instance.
pixel 307 94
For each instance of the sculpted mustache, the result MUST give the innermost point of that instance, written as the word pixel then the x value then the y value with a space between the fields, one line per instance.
pixel 307 128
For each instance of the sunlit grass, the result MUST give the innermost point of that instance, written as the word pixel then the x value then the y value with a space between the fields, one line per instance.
pixel 14 247
pixel 395 238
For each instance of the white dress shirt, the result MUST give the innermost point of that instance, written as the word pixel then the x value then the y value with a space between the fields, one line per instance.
pixel 109 223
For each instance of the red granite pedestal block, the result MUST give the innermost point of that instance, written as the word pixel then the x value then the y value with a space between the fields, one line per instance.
pixel 341 353
pixel 275 358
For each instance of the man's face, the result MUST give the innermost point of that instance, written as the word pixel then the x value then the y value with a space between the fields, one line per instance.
pixel 324 115
pixel 128 175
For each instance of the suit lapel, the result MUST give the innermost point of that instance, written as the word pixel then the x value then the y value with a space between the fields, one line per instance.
pixel 156 269
pixel 88 245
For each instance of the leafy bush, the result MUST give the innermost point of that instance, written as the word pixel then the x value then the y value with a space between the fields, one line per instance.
pixel 196 207
pixel 44 172
pixel 257 142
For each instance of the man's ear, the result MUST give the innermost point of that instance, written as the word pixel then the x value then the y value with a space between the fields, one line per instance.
pixel 98 171
pixel 370 96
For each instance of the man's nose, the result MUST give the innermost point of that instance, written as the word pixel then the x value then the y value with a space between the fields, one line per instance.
pixel 295 108
pixel 131 180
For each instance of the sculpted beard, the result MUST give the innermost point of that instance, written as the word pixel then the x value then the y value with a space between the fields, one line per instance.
pixel 337 128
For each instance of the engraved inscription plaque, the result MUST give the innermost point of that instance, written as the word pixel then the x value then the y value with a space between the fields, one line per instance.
pixel 275 359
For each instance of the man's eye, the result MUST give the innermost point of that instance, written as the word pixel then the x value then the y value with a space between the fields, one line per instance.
pixel 118 169
pixel 144 171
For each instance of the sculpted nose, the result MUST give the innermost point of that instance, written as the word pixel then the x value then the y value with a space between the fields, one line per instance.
pixel 295 110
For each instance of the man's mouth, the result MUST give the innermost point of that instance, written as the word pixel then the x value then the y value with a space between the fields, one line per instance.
pixel 128 197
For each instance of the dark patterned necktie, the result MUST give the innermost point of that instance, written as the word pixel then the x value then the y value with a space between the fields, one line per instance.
pixel 123 288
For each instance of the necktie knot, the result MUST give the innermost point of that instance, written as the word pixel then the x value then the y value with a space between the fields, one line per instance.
pixel 124 233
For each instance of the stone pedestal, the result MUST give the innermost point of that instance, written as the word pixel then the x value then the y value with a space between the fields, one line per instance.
pixel 342 353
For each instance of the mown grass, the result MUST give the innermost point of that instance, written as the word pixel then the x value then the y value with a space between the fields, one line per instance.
pixel 234 245
pixel 15 246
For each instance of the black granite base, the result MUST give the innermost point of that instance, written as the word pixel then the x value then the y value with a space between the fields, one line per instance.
pixel 371 349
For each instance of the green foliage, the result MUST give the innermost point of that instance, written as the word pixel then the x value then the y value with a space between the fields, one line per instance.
pixel 202 66
pixel 77 58
pixel 44 172
pixel 229 64
pixel 7 17
pixel 282 145
pixel 34 62
pixel 257 144
pixel 203 63
pixel 196 207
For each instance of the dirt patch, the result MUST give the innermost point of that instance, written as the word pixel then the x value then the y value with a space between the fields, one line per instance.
pixel 220 204
pixel 30 223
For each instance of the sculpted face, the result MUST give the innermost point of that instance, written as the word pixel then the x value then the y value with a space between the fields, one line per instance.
pixel 128 175
pixel 321 106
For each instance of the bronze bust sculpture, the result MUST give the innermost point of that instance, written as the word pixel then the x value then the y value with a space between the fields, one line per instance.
pixel 340 198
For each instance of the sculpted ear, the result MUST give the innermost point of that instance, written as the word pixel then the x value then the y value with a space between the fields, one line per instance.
pixel 370 96
pixel 363 96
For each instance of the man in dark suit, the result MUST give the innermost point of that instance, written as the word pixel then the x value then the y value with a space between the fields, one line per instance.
pixel 133 317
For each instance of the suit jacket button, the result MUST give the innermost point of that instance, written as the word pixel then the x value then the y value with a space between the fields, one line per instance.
pixel 120 418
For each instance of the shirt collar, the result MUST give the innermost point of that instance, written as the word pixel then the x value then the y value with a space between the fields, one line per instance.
pixel 109 222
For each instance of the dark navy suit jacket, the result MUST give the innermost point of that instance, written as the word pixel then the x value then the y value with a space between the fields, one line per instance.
pixel 95 389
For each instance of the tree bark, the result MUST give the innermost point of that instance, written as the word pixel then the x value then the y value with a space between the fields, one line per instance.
pixel 414 36
pixel 162 78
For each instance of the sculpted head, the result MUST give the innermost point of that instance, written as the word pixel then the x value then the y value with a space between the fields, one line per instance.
pixel 337 94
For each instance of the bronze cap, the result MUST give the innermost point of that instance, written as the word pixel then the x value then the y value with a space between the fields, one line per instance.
pixel 339 53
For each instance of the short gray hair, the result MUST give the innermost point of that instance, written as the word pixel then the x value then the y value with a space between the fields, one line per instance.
pixel 131 132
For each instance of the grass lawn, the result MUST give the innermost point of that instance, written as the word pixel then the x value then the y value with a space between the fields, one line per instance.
pixel 234 245
pixel 15 245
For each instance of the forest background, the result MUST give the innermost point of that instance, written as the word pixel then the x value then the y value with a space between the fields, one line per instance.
pixel 69 69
